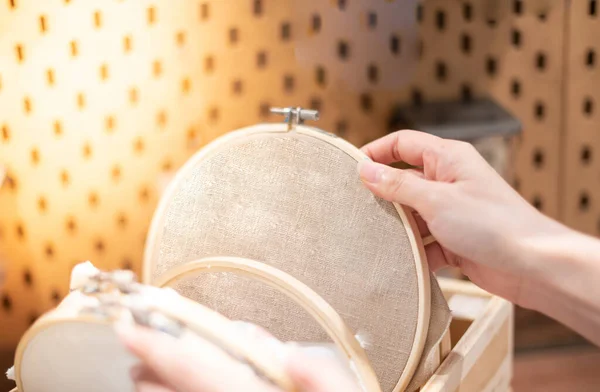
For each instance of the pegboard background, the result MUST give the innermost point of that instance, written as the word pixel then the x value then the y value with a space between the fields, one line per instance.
pixel 582 140
pixel 102 100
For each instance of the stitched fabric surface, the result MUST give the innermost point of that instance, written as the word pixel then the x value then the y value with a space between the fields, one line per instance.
pixel 296 203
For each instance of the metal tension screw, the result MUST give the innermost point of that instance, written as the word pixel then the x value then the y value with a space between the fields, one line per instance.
pixel 297 115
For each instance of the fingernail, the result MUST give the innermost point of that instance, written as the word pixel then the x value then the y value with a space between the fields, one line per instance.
pixel 370 171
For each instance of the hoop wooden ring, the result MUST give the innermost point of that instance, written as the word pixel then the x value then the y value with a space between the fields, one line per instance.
pixel 300 293
pixel 410 226
pixel 197 318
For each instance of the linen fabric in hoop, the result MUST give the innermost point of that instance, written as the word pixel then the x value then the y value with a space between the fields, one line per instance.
pixel 293 200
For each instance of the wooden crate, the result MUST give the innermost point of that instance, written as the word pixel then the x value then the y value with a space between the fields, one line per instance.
pixel 481 358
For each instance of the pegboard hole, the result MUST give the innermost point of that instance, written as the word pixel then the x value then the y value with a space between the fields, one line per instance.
pixel 542 16
pixel 122 220
pixel 161 118
pixel 586 155
pixel 35 156
pixel 144 194
pixel 593 8
pixel 341 4
pixel 209 64
pixel 538 203
pixel 65 178
pixel 157 68
pixel 538 159
pixel 441 71
pixel 257 8
pixel 50 76
pixel 166 165
pixel 80 101
pixel 467 11
pixel 57 127
pixel 42 204
pixel 43 24
pixel 261 59
pixel 341 128
pixel 515 88
pixel 264 110
pixel 491 22
pixel 372 20
pixel 6 303
pixel 138 145
pixel 417 97
pixel 516 38
pixel 419 12
pixel 12 4
pixel 343 50
pixel 71 225
pixel 5 133
pixel 127 264
pixel 87 151
pixel 588 106
pixel 466 93
pixel 584 201
pixel 540 61
pixel 491 66
pixel 204 12
pixel 395 44
pixel 20 52
pixel 32 318
pixel 366 102
pixel 286 31
pixel 373 73
pixel 109 124
pixel 115 173
pixel 104 72
pixel 590 58
pixel 465 43
pixel 20 231
pixel 214 114
pixel 316 23
pixel 127 45
pixel 237 87
pixel 518 7
pixel 517 184
pixel 99 246
pixel 180 38
pixel 186 86
pixel 151 15
pixel 540 111
pixel 234 35
pixel 55 296
pixel 27 105
pixel 288 83
pixel 133 95
pixel 321 76
pixel 316 104
pixel 97 19
pixel 440 20
pixel 93 199
pixel 49 250
pixel 27 278
pixel 74 48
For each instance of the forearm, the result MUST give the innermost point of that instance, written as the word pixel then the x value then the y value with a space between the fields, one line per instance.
pixel 562 280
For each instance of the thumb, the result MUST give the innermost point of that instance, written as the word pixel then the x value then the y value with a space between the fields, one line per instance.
pixel 400 186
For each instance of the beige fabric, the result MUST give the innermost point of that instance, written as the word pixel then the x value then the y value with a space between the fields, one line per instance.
pixel 296 203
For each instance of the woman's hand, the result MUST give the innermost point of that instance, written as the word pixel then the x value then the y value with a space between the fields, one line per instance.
pixel 479 221
pixel 191 364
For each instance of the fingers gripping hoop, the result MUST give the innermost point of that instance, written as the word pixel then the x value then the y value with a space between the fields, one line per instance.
pixel 316 306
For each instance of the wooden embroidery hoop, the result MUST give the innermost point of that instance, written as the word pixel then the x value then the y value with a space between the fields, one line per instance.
pixel 294 117
pixel 187 315
pixel 316 306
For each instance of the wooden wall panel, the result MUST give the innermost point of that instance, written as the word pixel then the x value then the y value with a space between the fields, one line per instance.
pixel 102 99
pixel 581 185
